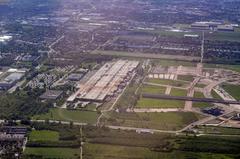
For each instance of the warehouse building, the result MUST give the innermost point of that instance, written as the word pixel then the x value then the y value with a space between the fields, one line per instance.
pixel 105 82
pixel 10 80
pixel 225 28
pixel 51 95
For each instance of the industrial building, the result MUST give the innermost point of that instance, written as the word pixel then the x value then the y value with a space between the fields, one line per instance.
pixel 75 76
pixel 11 77
pixel 205 25
pixel 225 28
pixel 51 95
pixel 105 82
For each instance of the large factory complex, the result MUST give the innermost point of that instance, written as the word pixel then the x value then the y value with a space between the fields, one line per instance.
pixel 109 79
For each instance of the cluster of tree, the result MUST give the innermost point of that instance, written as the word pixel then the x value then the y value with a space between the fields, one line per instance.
pixel 9 149
pixel 6 61
pixel 66 132
pixel 22 104
pixel 210 144
pixel 60 143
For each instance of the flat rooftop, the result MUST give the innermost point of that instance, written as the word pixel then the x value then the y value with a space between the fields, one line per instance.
pixel 51 94
pixel 105 81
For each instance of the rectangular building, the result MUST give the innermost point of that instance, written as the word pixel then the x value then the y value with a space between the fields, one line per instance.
pixel 105 81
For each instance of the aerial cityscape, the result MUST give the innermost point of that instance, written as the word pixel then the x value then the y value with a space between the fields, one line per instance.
pixel 119 79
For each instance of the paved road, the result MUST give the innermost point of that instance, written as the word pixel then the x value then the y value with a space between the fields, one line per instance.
pixel 168 90
pixel 163 85
pixel 149 110
pixel 190 93
pixel 207 90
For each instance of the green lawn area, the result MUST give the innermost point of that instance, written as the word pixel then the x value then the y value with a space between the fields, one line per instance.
pixel 89 107
pixel 163 121
pixel 233 90
pixel 215 95
pixel 201 104
pixel 69 115
pixel 221 130
pixel 200 85
pixel 168 82
pixel 43 135
pixel 198 95
pixel 102 151
pixel 185 77
pixel 61 153
pixel 164 62
pixel 178 92
pixel 153 89
pixel 230 67
pixel 159 103
pixel 229 36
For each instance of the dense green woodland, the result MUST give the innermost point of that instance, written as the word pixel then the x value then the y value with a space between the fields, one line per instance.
pixel 22 104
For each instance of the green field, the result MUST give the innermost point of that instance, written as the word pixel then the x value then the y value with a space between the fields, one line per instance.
pixel 168 82
pixel 200 85
pixel 153 89
pixel 61 153
pixel 198 95
pixel 233 90
pixel 165 63
pixel 201 104
pixel 43 135
pixel 159 103
pixel 226 36
pixel 102 151
pixel 219 130
pixel 163 121
pixel 178 92
pixel 215 95
pixel 230 67
pixel 185 77
pixel 139 55
pixel 69 115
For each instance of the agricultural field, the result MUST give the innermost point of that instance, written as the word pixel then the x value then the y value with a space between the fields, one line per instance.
pixel 233 90
pixel 48 152
pixel 44 135
pixel 69 115
pixel 102 151
pixel 162 121
pixel 219 130
pixel 229 36
pixel 178 92
pixel 159 103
